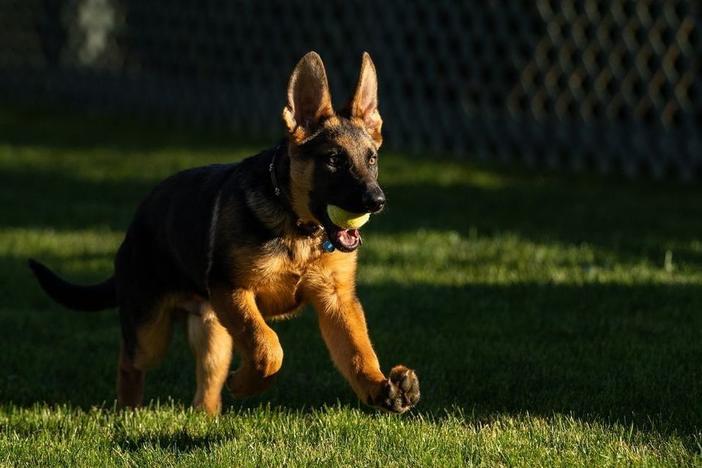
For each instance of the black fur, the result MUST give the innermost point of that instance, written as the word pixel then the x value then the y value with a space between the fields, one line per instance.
pixel 167 246
pixel 347 182
pixel 87 298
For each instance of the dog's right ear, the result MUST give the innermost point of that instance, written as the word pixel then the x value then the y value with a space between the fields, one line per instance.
pixel 309 100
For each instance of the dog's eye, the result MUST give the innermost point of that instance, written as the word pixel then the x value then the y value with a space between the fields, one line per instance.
pixel 333 159
pixel 373 159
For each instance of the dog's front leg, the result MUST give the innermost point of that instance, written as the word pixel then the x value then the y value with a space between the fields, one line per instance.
pixel 261 353
pixel 343 327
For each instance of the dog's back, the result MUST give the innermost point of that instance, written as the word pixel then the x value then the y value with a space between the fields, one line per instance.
pixel 237 245
pixel 172 229
pixel 167 242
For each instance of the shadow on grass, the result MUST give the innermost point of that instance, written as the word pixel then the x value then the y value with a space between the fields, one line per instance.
pixel 183 441
pixel 614 353
pixel 608 353
pixel 53 130
pixel 634 223
pixel 34 197
pixel 554 207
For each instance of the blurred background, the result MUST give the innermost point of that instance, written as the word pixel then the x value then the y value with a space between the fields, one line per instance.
pixel 611 86
pixel 523 285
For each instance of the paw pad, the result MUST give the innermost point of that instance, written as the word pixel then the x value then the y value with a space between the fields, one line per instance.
pixel 400 392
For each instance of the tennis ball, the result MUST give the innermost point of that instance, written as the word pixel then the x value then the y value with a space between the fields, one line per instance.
pixel 345 219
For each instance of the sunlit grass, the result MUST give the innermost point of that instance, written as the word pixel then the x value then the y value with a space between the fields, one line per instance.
pixel 553 320
pixel 171 435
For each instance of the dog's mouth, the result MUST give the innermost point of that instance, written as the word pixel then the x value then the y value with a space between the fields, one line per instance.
pixel 346 240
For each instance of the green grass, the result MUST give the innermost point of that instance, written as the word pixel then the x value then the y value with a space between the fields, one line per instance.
pixel 553 320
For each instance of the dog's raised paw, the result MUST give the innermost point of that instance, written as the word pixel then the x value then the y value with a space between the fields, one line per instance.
pixel 400 391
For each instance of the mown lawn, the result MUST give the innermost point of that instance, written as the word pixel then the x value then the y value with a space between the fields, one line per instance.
pixel 553 320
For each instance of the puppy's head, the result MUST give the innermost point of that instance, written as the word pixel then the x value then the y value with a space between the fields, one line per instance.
pixel 333 155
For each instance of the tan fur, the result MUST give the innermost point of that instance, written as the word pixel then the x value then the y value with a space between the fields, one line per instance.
pixel 154 337
pixel 212 347
pixel 276 279
pixel 261 353
pixel 301 170
pixel 330 287
pixel 300 187
pixel 364 104
pixel 130 381
pixel 309 100
pixel 352 144
pixel 273 273
pixel 278 283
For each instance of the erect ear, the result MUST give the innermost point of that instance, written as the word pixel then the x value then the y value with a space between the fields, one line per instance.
pixel 309 101
pixel 364 105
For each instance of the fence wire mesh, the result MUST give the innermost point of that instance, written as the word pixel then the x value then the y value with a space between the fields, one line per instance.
pixel 605 84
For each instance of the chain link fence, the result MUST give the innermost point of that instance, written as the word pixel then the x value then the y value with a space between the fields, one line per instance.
pixel 606 84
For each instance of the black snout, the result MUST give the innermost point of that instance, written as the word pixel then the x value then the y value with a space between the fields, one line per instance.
pixel 373 199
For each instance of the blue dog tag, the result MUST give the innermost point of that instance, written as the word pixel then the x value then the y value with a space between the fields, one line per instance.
pixel 327 246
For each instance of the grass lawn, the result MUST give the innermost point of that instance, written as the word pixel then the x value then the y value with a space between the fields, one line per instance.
pixel 553 320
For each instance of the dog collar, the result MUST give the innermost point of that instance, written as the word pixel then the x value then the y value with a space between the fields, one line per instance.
pixel 308 229
pixel 271 171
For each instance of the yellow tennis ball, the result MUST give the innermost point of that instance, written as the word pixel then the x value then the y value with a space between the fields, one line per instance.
pixel 345 219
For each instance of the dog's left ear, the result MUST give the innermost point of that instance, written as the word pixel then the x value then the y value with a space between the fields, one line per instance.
pixel 364 105
pixel 309 100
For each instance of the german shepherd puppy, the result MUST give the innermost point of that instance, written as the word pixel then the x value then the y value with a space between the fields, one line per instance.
pixel 232 246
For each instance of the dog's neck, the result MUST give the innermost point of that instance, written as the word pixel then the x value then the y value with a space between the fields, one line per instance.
pixel 279 171
pixel 276 168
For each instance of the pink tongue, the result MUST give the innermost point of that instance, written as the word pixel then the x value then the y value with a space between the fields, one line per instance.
pixel 348 237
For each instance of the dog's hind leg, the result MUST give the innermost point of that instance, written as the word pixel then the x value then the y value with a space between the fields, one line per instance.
pixel 211 344
pixel 130 381
pixel 144 351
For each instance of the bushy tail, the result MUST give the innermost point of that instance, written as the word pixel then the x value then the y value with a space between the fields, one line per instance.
pixel 88 298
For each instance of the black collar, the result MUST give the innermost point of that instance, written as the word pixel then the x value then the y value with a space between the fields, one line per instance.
pixel 307 229
pixel 271 171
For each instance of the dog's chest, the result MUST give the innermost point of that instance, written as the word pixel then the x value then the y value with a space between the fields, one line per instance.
pixel 279 273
